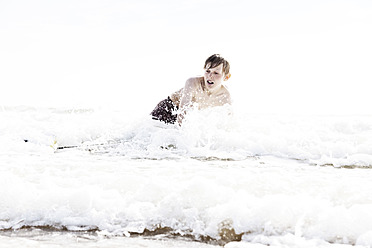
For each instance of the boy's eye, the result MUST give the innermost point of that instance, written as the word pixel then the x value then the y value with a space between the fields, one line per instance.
pixel 216 73
pixel 208 71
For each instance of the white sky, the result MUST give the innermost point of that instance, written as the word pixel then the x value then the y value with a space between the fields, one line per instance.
pixel 287 56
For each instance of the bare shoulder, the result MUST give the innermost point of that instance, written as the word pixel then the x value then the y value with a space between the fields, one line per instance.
pixel 194 82
pixel 225 97
pixel 190 86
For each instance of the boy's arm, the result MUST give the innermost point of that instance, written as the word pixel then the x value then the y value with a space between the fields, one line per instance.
pixel 186 99
pixel 176 97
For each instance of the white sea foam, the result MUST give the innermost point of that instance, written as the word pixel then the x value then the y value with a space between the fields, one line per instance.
pixel 256 175
pixel 336 140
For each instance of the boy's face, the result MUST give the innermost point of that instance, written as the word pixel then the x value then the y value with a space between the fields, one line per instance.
pixel 213 76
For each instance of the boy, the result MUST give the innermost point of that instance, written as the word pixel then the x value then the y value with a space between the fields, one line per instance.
pixel 206 91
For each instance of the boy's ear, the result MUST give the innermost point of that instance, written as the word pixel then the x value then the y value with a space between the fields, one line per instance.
pixel 227 77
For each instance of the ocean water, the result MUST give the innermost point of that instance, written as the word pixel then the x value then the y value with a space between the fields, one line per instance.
pixel 110 178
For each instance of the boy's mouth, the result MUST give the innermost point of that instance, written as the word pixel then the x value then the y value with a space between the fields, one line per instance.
pixel 210 82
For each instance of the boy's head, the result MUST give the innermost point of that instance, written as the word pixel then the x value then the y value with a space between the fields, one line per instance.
pixel 215 60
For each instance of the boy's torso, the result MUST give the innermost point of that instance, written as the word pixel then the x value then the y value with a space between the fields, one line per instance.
pixel 201 97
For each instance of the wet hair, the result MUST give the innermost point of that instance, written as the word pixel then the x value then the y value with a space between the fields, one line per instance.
pixel 215 60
